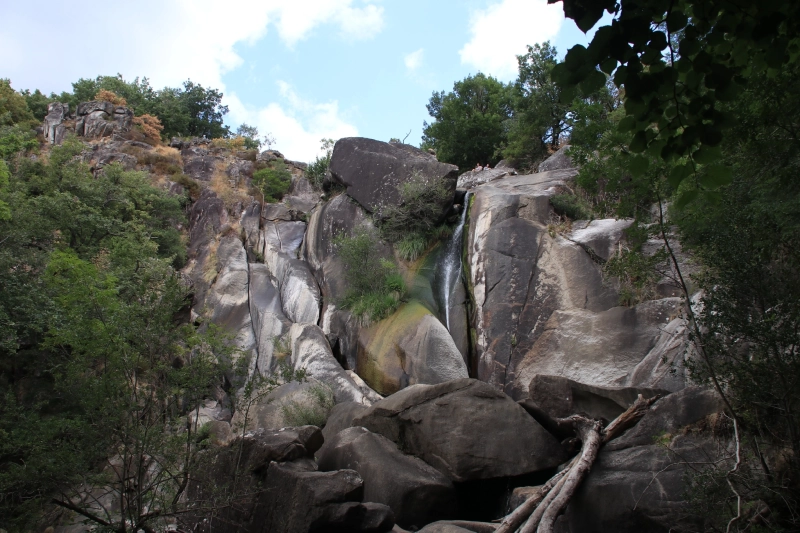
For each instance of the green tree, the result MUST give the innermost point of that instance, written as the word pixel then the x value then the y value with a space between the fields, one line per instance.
pixel 250 135
pixel 273 181
pixel 319 167
pixel 469 122
pixel 14 107
pixel 678 64
pixel 540 119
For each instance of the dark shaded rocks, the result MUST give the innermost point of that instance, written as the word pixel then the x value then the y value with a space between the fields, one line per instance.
pixel 637 484
pixel 372 171
pixel 560 397
pixel 340 418
pixel 199 167
pixel 416 492
pixel 279 489
pixel 464 428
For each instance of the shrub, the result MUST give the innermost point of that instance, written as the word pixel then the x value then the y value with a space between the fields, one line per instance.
pixel 414 222
pixel 637 274
pixel 375 287
pixel 572 206
pixel 107 96
pixel 234 143
pixel 191 186
pixel 312 412
pixel 273 182
pixel 316 170
pixel 150 126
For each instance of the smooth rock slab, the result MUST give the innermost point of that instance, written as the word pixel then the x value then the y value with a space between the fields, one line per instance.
pixel 417 493
pixel 464 428
pixel 373 171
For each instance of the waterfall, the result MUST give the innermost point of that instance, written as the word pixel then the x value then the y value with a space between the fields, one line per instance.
pixel 448 268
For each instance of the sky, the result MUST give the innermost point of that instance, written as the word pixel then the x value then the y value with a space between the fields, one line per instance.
pixel 300 70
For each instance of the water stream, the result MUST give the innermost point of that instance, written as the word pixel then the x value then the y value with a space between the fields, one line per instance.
pixel 448 269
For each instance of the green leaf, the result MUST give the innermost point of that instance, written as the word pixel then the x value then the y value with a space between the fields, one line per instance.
pixel 627 124
pixel 594 82
pixel 676 20
pixel 678 174
pixel 715 176
pixel 639 142
pixel 576 58
pixel 686 198
pixel 707 154
pixel 638 165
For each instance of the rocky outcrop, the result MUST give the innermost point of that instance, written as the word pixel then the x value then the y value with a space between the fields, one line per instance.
pixel 267 317
pixel 102 119
pixel 54 129
pixel 417 493
pixel 408 348
pixel 541 303
pixel 558 161
pixel 280 489
pixel 372 171
pixel 464 428
pixel 311 351
pixel 473 178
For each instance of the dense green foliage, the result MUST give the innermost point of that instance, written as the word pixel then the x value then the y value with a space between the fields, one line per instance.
pixel 539 118
pixel 319 167
pixel 95 375
pixel 375 288
pixel 705 150
pixel 412 224
pixel 188 111
pixel 469 125
pixel 273 181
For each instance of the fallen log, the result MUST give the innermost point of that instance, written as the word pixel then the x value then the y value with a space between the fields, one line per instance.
pixel 540 511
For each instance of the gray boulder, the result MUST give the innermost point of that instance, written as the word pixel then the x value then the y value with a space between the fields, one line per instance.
pixel 266 314
pixel 560 397
pixel 464 428
pixel 340 418
pixel 473 178
pixel 311 351
pixel 459 526
pixel 199 167
pixel 416 492
pixel 636 485
pixel 372 171
pixel 596 348
pixel 558 161
pixel 53 129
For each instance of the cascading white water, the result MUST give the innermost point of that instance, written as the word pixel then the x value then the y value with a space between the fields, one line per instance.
pixel 448 269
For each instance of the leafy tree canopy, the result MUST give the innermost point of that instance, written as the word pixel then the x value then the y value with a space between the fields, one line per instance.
pixel 469 121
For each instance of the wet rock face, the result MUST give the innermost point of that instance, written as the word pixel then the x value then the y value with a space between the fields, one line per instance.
pixel 408 348
pixel 464 428
pixel 373 171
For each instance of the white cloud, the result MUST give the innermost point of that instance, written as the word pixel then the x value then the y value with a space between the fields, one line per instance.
pixel 501 31
pixel 414 59
pixel 297 124
pixel 168 41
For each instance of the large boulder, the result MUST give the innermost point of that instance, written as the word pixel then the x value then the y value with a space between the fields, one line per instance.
pixel 229 297
pixel 558 161
pixel 600 349
pixel 639 485
pixel 473 178
pixel 464 428
pixel 373 171
pixel 560 397
pixel 409 347
pixel 417 493
pixel 340 418
pixel 541 303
